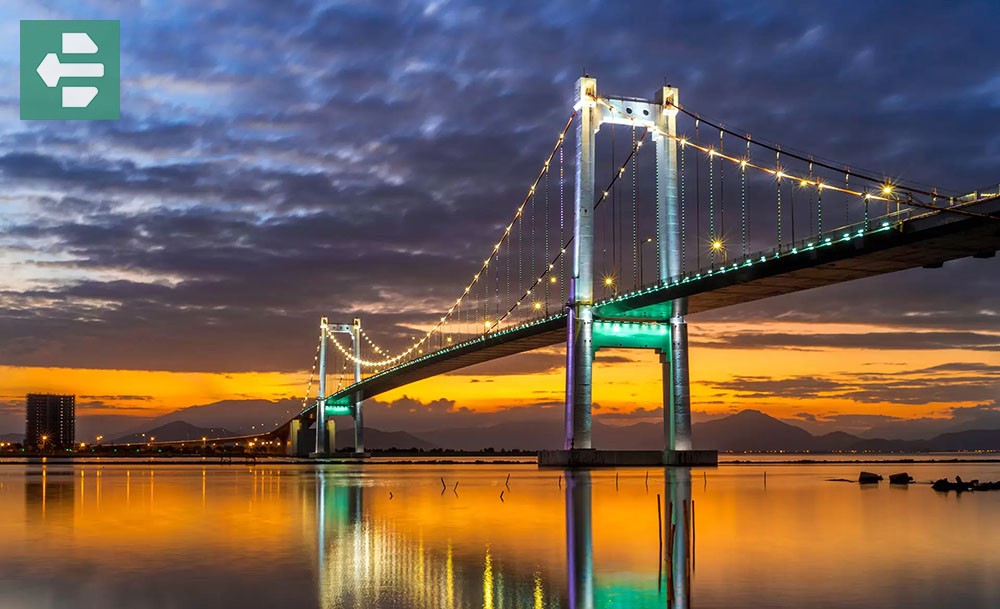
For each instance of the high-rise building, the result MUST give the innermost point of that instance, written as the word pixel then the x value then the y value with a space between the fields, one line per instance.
pixel 51 421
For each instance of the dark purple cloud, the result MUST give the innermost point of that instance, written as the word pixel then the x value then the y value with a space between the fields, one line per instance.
pixel 284 161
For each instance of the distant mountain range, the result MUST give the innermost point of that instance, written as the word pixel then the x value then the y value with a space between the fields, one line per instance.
pixel 383 440
pixel 749 430
pixel 174 431
pixel 14 438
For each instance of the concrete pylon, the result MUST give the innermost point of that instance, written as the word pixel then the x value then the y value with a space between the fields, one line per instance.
pixel 322 446
pixel 580 324
pixel 676 381
pixel 359 424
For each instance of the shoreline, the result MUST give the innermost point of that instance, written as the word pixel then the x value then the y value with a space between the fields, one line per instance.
pixel 456 460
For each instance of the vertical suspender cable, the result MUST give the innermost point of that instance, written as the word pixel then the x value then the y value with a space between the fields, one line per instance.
pixel 711 205
pixel 615 257
pixel 847 198
pixel 819 212
pixel 777 167
pixel 683 213
pixel 810 206
pixel 743 199
pixel 562 224
pixel 635 213
pixel 722 191
pixel 697 197
pixel 791 206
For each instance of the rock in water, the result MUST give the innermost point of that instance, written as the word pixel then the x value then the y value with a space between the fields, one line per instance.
pixel 901 478
pixel 944 485
pixel 869 478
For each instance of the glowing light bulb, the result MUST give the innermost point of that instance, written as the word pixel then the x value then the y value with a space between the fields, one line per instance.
pixel 536 306
pixel 552 280
pixel 609 281
pixel 887 189
pixel 716 245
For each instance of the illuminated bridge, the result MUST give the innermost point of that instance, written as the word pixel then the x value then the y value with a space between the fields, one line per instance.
pixel 711 218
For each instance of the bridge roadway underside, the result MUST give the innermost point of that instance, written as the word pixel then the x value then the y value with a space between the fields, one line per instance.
pixel 925 241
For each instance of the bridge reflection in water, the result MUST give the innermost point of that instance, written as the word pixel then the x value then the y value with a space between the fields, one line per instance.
pixel 365 559
pixel 198 535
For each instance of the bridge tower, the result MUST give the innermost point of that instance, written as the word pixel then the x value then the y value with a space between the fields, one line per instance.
pixel 325 406
pixel 585 334
pixel 359 428
pixel 325 442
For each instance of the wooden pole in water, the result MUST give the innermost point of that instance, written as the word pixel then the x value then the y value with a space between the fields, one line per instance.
pixel 616 481
pixel 659 538
pixel 670 571
pixel 692 536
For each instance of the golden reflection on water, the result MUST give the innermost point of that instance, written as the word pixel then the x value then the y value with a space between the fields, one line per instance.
pixel 148 536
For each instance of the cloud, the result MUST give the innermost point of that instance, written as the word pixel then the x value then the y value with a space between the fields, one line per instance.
pixel 295 160
pixel 875 340
pixel 938 384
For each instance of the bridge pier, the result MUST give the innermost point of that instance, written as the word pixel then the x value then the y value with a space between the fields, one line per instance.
pixel 322 447
pixel 579 332
pixel 299 439
pixel 582 340
pixel 359 426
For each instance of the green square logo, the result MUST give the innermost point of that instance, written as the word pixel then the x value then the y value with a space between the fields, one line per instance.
pixel 70 70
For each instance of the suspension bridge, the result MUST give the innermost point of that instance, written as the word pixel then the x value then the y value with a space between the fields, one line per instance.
pixel 612 247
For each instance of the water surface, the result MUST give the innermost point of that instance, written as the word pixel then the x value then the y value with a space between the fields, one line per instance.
pixel 191 535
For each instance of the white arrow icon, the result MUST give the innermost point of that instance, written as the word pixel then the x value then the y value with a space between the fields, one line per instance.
pixel 51 70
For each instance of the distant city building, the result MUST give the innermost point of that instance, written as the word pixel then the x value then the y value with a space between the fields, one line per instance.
pixel 51 421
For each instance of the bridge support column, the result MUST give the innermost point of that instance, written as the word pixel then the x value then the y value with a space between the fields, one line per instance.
pixel 676 389
pixel 579 338
pixel 322 446
pixel 676 381
pixel 359 425
pixel 299 439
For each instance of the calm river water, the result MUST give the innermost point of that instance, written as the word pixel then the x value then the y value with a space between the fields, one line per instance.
pixel 382 535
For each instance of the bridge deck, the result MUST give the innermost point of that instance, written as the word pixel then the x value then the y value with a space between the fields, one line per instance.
pixel 928 240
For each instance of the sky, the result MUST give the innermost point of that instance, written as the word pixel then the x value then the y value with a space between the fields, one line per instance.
pixel 278 162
